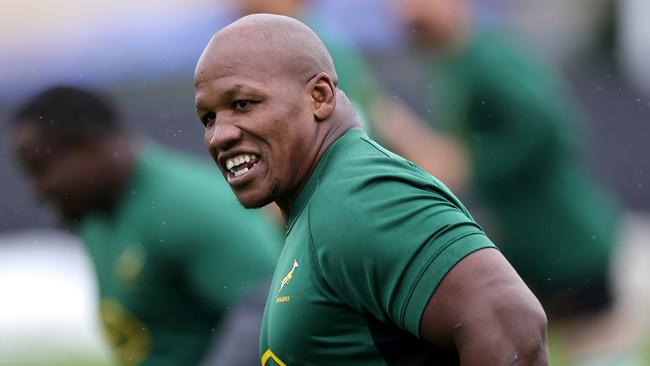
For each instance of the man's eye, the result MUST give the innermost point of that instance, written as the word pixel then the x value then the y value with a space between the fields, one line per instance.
pixel 208 118
pixel 240 105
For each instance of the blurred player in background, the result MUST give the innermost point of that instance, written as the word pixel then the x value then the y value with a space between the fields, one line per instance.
pixel 551 218
pixel 172 249
pixel 381 263
pixel 521 130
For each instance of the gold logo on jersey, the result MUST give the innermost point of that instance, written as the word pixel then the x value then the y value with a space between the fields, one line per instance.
pixel 285 281
pixel 128 335
pixel 270 355
pixel 129 265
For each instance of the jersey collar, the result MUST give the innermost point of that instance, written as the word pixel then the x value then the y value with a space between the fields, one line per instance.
pixel 314 178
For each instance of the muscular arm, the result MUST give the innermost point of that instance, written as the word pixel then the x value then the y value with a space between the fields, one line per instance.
pixel 485 311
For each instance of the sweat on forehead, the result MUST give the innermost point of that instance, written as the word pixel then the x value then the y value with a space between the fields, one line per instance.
pixel 271 41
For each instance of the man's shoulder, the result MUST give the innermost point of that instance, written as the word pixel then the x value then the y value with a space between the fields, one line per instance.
pixel 360 160
pixel 362 169
pixel 363 188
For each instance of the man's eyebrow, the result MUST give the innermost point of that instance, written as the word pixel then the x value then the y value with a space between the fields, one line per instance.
pixel 227 95
pixel 231 93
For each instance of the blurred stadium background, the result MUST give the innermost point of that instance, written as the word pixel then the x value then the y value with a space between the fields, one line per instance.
pixel 143 54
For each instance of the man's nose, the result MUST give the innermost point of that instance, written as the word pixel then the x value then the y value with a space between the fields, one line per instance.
pixel 224 135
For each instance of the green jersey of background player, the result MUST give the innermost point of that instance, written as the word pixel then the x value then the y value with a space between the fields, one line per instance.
pixel 171 246
pixel 550 217
pixel 381 265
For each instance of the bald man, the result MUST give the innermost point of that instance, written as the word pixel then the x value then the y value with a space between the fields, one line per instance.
pixel 381 265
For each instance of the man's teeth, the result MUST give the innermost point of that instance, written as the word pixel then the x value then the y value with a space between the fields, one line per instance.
pixel 240 172
pixel 239 160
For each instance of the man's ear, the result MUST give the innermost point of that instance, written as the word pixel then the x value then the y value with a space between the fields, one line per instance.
pixel 323 96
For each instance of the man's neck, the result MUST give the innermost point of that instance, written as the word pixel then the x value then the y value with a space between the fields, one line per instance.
pixel 342 120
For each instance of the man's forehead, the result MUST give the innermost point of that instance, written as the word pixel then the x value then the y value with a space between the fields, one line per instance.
pixel 215 64
pixel 27 131
pixel 246 68
pixel 221 58
pixel 30 142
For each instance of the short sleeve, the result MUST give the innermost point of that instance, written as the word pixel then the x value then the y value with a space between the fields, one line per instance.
pixel 386 240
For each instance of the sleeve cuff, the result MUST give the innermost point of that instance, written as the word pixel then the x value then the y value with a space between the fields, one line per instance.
pixel 434 273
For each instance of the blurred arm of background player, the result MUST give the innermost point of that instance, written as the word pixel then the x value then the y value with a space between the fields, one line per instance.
pixel 407 134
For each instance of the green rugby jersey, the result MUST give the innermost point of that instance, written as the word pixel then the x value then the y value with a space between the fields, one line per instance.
pixel 369 239
pixel 172 257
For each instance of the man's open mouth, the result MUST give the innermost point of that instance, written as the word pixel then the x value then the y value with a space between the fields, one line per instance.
pixel 240 164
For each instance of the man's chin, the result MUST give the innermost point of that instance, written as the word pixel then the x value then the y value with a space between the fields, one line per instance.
pixel 254 202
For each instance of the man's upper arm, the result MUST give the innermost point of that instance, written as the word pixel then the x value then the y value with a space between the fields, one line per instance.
pixel 485 311
pixel 396 237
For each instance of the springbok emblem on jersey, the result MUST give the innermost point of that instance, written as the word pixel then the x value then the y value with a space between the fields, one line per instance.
pixel 288 277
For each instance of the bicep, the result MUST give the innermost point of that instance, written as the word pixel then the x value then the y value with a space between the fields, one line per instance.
pixel 485 311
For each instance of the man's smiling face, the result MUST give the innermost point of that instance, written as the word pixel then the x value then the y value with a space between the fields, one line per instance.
pixel 258 122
